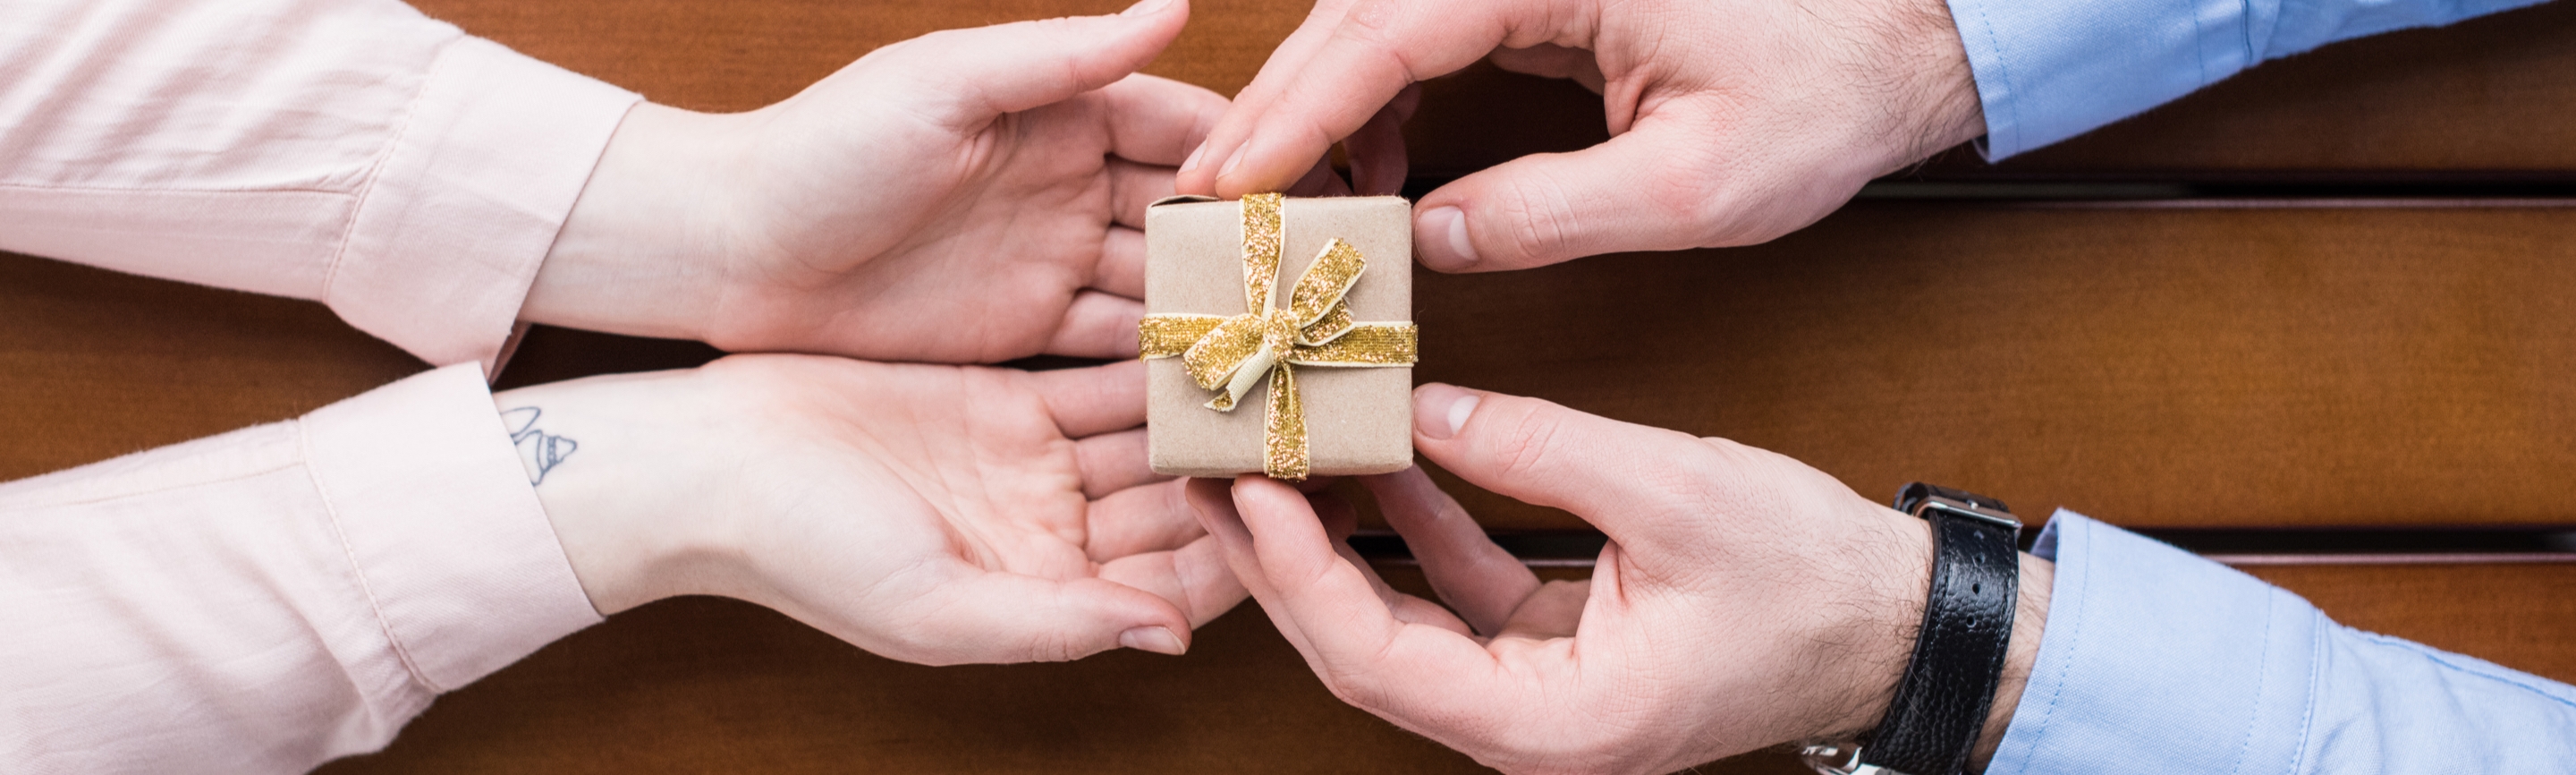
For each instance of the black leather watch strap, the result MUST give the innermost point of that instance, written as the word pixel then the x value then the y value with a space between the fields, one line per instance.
pixel 1941 703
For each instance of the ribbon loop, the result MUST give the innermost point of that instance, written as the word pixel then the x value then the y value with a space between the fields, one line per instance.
pixel 1229 355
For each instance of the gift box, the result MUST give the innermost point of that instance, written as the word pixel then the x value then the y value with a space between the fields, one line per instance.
pixel 1278 336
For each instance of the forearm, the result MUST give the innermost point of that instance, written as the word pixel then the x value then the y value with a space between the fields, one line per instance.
pixel 270 599
pixel 352 152
pixel 647 247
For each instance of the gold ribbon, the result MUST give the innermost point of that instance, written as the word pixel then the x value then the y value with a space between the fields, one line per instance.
pixel 1230 354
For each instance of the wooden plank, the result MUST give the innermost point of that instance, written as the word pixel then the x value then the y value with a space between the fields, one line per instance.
pixel 97 364
pixel 2514 614
pixel 709 685
pixel 713 685
pixel 739 56
pixel 2485 98
pixel 2154 367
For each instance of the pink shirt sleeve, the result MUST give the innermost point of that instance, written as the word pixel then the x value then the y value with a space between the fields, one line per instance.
pixel 352 152
pixel 272 598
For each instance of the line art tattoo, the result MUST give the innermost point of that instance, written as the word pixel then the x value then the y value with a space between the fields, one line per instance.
pixel 539 451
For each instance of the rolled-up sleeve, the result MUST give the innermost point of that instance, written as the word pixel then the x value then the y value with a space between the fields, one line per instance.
pixel 352 152
pixel 2048 70
pixel 273 598
pixel 2156 660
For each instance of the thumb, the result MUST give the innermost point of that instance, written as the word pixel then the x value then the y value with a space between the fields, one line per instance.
pixel 1007 68
pixel 995 617
pixel 1618 476
pixel 1654 188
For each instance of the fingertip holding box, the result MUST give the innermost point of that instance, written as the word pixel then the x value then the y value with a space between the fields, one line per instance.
pixel 1278 336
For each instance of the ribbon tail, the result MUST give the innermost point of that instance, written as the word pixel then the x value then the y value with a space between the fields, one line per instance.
pixel 1284 442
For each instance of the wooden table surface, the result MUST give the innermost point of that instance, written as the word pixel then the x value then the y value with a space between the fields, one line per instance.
pixel 2288 362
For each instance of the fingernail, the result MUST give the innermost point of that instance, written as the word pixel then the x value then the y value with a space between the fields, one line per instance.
pixel 1440 410
pixel 1154 639
pixel 1143 7
pixel 1234 161
pixel 1192 162
pixel 1451 223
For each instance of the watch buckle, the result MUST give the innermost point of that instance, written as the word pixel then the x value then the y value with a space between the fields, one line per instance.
pixel 2003 519
pixel 1820 757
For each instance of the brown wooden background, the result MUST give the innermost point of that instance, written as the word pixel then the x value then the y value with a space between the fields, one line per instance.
pixel 2170 363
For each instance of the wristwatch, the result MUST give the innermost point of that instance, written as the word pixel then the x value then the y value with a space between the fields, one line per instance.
pixel 1941 703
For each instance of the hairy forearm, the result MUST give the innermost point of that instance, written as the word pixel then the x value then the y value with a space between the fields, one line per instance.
pixel 1929 80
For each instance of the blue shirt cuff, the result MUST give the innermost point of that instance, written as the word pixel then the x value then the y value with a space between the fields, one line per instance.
pixel 2048 70
pixel 2156 660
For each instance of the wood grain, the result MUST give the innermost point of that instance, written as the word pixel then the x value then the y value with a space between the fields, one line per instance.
pixel 2153 367
pixel 2156 367
pixel 2489 98
pixel 2486 99
pixel 2293 366
pixel 712 685
pixel 2516 615
pixel 97 364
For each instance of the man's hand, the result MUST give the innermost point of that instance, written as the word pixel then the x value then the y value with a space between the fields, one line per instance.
pixel 966 196
pixel 932 514
pixel 1732 121
pixel 1744 600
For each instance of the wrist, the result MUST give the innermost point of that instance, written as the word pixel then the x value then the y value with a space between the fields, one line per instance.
pixel 1895 583
pixel 1877 671
pixel 645 248
pixel 614 462
pixel 1937 90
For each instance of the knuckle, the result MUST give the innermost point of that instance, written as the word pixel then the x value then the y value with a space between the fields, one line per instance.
pixel 1525 445
pixel 1538 217
pixel 1371 19
pixel 1354 692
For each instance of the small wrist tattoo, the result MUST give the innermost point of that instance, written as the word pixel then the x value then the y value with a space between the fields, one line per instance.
pixel 539 451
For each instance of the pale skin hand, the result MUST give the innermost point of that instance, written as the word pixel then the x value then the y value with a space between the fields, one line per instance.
pixel 932 514
pixel 1732 121
pixel 1744 600
pixel 966 196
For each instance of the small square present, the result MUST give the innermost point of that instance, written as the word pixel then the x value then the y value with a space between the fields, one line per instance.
pixel 1278 336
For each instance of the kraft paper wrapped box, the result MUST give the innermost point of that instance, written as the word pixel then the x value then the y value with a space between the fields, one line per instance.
pixel 1319 377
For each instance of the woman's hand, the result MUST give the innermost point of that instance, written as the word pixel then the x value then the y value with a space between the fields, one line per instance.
pixel 966 196
pixel 933 514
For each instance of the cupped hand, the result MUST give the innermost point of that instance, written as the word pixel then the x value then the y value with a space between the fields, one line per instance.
pixel 1732 121
pixel 966 196
pixel 1744 600
pixel 933 514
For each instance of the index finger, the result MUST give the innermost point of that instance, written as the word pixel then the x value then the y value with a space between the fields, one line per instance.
pixel 1373 52
pixel 1414 674
pixel 1157 120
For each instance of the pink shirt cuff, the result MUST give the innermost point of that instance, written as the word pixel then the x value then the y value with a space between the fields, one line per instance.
pixel 484 170
pixel 448 539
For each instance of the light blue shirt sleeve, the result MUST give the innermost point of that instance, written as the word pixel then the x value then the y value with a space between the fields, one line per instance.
pixel 2048 70
pixel 2158 661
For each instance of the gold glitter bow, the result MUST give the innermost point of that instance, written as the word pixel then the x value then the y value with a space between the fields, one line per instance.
pixel 1230 354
